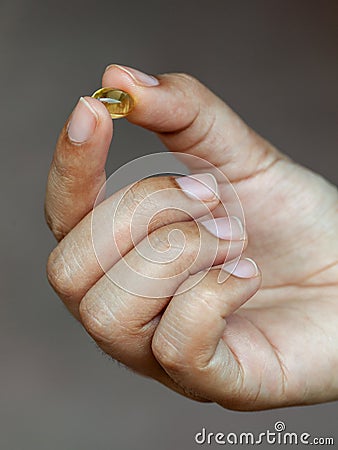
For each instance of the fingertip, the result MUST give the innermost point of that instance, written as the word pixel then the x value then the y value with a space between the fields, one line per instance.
pixel 128 77
pixel 88 121
pixel 98 108
pixel 163 103
pixel 190 118
pixel 244 268
pixel 120 77
pixel 82 123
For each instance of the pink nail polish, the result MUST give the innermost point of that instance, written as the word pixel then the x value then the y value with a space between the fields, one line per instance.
pixel 82 122
pixel 199 187
pixel 229 228
pixel 244 268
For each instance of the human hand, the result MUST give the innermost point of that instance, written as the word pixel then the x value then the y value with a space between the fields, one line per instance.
pixel 237 343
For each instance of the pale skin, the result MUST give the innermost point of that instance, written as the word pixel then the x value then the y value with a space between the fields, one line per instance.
pixel 262 339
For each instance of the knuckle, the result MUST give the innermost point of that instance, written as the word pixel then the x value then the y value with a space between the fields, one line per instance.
pixel 57 193
pixel 59 274
pixel 170 356
pixel 58 229
pixel 138 193
pixel 159 240
pixel 107 322
pixel 190 80
pixel 94 317
pixel 147 193
pixel 176 236
pixel 179 358
pixel 191 87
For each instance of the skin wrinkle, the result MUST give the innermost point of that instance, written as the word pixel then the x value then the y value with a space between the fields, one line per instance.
pixel 59 274
pixel 246 139
pixel 276 352
pixel 298 285
pixel 56 225
pixel 299 310
pixel 241 373
pixel 175 337
pixel 206 369
pixel 132 327
pixel 89 318
pixel 258 172
pixel 208 360
pixel 59 227
pixel 164 357
pixel 134 198
pixel 181 94
pixel 202 138
pixel 302 282
pixel 259 389
pixel 143 325
pixel 179 131
pixel 301 232
pixel 69 172
pixel 165 243
pixel 309 319
pixel 243 143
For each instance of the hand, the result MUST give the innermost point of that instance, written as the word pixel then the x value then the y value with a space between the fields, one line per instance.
pixel 243 345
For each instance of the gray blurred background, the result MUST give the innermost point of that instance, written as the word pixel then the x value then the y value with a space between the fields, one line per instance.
pixel 274 62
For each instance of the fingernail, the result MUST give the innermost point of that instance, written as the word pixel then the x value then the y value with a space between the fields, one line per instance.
pixel 199 187
pixel 143 79
pixel 82 122
pixel 244 268
pixel 230 228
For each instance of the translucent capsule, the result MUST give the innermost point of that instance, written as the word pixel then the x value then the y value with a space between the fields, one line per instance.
pixel 118 103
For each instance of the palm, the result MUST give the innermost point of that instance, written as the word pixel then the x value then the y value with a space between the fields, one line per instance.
pixel 291 230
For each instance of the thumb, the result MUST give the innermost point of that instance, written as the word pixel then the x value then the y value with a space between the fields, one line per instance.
pixel 190 119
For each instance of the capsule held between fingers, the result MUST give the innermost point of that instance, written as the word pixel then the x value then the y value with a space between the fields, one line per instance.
pixel 118 103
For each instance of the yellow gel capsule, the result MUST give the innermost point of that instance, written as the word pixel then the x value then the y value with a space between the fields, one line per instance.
pixel 118 103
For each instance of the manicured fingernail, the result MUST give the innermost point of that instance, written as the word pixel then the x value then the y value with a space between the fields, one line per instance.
pixel 200 187
pixel 225 227
pixel 141 78
pixel 82 122
pixel 244 268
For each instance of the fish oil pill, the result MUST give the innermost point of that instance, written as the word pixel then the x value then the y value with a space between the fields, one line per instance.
pixel 118 103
